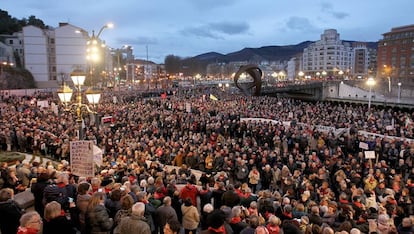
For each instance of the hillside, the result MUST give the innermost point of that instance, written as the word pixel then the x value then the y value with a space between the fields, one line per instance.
pixel 269 53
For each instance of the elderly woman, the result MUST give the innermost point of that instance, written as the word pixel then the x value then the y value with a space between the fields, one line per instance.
pixel 126 204
pixel 273 225
pixel 56 221
pixel 30 223
pixel 237 222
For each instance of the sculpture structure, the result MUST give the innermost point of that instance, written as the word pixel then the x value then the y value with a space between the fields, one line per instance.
pixel 249 88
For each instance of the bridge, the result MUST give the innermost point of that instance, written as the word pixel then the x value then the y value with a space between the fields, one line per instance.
pixel 344 92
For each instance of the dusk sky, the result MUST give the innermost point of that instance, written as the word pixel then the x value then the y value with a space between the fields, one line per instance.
pixel 187 28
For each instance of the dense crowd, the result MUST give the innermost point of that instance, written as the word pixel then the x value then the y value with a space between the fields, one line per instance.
pixel 281 176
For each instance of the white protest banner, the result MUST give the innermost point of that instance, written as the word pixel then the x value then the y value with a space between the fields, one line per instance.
pixel 363 145
pixel 43 104
pixel 369 154
pixel 81 158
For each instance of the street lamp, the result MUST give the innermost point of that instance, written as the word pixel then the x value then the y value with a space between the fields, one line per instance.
pixel 324 73
pixel 94 48
pixel 301 74
pixel 399 92
pixel 370 82
pixel 341 73
pixel 196 77
pixel 65 96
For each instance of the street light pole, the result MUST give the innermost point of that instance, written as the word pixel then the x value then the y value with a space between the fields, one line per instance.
pixel 370 83
pixel 399 92
pixel 94 47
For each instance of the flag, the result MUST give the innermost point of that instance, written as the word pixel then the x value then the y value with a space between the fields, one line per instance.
pixel 369 116
pixel 212 97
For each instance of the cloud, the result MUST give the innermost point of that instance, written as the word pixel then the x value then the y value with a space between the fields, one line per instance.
pixel 200 32
pixel 229 28
pixel 217 30
pixel 300 24
pixel 328 8
pixel 138 41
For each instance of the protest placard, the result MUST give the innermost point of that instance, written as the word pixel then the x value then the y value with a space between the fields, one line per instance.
pixel 81 158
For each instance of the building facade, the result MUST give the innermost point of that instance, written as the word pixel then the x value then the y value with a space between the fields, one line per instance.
pixel 51 55
pixel 330 57
pixel 396 54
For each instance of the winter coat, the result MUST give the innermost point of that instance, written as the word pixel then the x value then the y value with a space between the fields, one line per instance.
pixel 97 220
pixel 191 217
pixel 165 214
pixel 59 225
pixel 82 205
pixel 38 189
pixel 190 191
pixel 230 198
pixel 133 224
pixel 10 215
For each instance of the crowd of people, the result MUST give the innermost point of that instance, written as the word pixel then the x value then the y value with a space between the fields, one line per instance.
pixel 257 176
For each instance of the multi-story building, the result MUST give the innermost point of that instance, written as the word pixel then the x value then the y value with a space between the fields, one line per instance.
pixel 52 54
pixel 396 54
pixel 332 57
pixel 359 59
pixel 12 49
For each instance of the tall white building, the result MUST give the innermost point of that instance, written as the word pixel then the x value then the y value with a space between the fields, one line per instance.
pixel 52 54
pixel 328 56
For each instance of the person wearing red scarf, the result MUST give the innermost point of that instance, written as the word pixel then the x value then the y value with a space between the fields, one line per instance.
pixel 30 223
pixel 215 222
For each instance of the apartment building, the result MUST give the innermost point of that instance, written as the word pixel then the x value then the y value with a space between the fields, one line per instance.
pixel 51 55
pixel 396 54
pixel 331 57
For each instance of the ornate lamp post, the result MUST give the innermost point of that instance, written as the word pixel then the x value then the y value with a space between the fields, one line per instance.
pixel 65 96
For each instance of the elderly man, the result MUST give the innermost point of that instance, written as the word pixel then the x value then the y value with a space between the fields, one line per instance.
pixel 165 214
pixel 135 223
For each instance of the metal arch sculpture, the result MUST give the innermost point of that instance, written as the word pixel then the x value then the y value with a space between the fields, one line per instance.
pixel 255 72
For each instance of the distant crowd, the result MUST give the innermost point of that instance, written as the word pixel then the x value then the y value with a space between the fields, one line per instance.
pixel 256 176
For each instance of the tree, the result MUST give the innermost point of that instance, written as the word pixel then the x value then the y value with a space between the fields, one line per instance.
pixel 172 64
pixel 8 24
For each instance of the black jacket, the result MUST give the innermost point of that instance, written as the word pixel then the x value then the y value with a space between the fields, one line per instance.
pixel 59 225
pixel 97 220
pixel 10 215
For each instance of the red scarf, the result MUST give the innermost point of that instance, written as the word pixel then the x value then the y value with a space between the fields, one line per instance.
pixel 235 220
pixel 358 204
pixel 343 201
pixel 221 229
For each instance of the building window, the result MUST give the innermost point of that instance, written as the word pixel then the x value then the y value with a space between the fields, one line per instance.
pixel 11 42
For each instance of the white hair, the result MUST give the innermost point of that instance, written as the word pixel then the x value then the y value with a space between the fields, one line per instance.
pixel 138 209
pixel 355 231
pixel 208 208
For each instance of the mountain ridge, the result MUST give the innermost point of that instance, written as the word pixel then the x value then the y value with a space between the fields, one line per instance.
pixel 269 53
